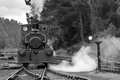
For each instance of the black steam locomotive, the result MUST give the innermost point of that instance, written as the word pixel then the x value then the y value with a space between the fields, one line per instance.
pixel 34 48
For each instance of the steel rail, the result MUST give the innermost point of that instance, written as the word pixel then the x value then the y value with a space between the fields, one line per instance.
pixel 68 76
pixel 14 74
pixel 105 66
pixel 43 73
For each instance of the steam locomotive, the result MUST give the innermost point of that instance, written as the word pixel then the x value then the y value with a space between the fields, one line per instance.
pixel 33 45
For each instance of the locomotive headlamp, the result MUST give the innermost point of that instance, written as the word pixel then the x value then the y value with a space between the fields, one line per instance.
pixel 44 28
pixel 25 28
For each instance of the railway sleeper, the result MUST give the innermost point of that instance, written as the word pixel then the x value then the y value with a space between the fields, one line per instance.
pixel 111 70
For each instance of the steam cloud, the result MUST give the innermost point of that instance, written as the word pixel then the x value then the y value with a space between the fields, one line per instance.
pixel 110 48
pixel 81 61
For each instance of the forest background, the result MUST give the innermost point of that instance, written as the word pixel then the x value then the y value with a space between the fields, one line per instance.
pixel 70 21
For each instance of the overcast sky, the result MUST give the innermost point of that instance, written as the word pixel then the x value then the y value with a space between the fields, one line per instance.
pixel 14 9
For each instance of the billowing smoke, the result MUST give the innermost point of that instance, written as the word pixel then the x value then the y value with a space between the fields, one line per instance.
pixel 81 61
pixel 110 48
pixel 36 7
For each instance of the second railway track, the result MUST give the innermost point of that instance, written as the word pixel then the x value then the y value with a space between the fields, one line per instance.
pixel 110 66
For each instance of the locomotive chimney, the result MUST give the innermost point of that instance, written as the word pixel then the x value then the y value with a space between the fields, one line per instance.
pixel 35 27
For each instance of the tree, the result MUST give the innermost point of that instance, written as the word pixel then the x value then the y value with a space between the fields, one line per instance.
pixel 9 29
pixel 82 10
pixel 103 13
pixel 70 17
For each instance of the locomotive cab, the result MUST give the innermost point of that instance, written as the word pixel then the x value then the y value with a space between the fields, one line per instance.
pixel 34 48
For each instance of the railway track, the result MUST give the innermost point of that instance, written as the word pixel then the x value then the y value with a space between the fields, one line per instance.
pixel 48 74
pixel 45 74
pixel 67 76
pixel 110 66
pixel 23 74
pixel 40 74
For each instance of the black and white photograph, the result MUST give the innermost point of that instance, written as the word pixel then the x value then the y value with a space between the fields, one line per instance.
pixel 59 39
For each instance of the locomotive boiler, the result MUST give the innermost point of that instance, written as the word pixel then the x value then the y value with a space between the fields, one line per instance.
pixel 33 46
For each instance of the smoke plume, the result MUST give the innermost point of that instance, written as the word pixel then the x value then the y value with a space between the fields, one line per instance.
pixel 81 61
pixel 37 7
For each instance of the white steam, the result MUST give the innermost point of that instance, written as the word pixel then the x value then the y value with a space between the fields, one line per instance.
pixel 81 62
pixel 110 48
